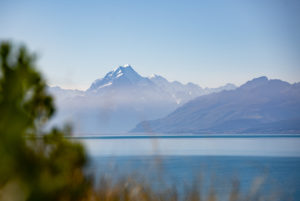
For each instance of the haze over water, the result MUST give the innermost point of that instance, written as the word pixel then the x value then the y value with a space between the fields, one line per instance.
pixel 222 146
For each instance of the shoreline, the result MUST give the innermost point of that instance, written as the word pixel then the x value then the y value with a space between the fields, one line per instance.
pixel 172 136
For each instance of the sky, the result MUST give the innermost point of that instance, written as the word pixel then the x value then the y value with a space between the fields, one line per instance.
pixel 208 42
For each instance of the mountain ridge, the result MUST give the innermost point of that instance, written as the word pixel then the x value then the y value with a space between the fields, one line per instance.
pixel 255 106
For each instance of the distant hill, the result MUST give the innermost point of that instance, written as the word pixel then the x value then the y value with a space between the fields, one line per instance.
pixel 121 99
pixel 183 93
pixel 258 106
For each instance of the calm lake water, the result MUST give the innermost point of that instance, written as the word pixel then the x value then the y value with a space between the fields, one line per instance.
pixel 271 161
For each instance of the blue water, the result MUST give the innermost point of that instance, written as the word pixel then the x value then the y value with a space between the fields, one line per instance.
pixel 272 162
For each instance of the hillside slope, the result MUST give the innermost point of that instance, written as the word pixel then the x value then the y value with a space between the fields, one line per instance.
pixel 258 106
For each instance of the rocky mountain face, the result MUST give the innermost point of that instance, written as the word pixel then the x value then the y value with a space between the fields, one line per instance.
pixel 258 106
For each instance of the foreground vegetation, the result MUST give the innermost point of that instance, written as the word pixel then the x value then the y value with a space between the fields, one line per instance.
pixel 39 164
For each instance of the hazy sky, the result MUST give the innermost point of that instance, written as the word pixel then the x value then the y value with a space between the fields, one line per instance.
pixel 208 42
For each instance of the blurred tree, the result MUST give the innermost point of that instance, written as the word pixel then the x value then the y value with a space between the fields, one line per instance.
pixel 34 164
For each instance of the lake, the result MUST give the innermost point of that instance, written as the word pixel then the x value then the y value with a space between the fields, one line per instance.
pixel 217 160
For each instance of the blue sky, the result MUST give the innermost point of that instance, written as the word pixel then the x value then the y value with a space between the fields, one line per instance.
pixel 209 42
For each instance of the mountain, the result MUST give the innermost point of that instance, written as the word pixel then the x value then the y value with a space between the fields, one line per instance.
pixel 185 92
pixel 119 100
pixel 227 87
pixel 63 94
pixel 123 76
pixel 258 106
pixel 180 92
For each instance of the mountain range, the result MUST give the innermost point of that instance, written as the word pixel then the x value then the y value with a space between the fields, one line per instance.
pixel 124 101
pixel 261 105
pixel 121 99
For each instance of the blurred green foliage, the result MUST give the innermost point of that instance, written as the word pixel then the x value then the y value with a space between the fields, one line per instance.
pixel 34 164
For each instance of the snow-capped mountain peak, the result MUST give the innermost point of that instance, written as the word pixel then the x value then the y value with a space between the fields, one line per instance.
pixel 122 76
pixel 125 70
